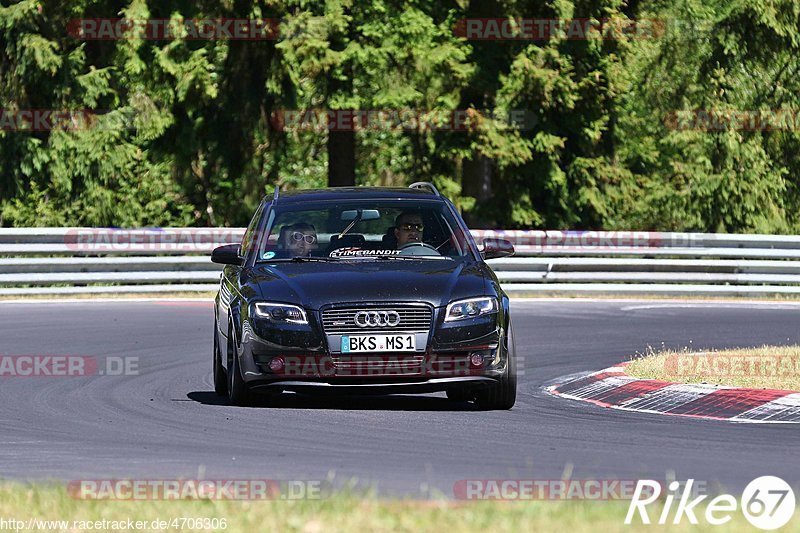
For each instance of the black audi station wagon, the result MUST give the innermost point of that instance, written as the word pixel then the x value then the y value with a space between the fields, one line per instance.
pixel 362 290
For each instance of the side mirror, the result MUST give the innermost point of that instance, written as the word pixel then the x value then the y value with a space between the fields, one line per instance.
pixel 494 248
pixel 227 254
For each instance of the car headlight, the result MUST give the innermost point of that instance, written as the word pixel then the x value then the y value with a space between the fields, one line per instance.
pixel 276 312
pixel 470 308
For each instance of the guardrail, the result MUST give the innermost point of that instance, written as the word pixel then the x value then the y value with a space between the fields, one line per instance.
pixel 151 260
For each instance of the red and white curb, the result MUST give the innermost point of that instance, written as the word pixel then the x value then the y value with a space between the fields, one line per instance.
pixel 613 388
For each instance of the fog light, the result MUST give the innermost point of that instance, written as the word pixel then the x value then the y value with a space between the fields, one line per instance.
pixel 476 359
pixel 276 364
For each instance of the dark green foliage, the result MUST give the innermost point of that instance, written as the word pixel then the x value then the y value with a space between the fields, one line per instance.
pixel 187 132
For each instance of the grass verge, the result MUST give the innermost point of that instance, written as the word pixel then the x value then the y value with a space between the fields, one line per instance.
pixel 767 367
pixel 340 512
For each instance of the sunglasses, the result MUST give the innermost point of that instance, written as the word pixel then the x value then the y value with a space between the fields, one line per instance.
pixel 412 227
pixel 310 239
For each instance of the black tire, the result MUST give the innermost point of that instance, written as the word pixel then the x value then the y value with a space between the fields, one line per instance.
pixel 238 393
pixel 503 394
pixel 220 377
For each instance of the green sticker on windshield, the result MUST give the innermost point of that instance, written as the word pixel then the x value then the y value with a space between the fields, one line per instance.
pixel 268 255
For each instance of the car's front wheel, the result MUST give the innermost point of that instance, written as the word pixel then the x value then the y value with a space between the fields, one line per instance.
pixel 503 394
pixel 220 378
pixel 238 393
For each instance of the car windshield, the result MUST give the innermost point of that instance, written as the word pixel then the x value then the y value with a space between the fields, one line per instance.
pixel 358 230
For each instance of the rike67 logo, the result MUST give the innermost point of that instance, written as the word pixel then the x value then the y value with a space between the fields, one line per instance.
pixel 767 502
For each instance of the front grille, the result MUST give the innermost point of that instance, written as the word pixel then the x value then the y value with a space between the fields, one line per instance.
pixel 342 320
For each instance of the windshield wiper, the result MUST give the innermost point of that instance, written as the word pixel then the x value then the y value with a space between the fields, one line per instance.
pixel 300 259
pixel 303 259
pixel 410 257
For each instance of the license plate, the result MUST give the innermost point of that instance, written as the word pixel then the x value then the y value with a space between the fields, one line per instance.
pixel 378 343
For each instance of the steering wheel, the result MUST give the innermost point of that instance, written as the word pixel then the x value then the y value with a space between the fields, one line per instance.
pixel 418 248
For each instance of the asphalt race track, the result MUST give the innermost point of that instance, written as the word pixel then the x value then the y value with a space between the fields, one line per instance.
pixel 166 422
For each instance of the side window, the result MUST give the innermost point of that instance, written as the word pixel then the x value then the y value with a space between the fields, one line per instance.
pixel 250 234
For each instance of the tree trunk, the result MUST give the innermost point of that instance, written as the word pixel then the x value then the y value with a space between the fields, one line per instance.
pixel 477 182
pixel 341 143
pixel 341 158
pixel 477 178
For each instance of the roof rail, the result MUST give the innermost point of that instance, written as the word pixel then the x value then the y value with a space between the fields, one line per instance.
pixel 277 192
pixel 425 184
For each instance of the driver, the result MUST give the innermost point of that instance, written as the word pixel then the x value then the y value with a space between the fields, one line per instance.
pixel 300 239
pixel 408 228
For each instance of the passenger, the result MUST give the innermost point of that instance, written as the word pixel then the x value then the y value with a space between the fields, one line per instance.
pixel 300 239
pixel 408 228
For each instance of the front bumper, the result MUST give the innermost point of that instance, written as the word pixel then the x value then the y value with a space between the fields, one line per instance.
pixel 452 356
pixel 422 387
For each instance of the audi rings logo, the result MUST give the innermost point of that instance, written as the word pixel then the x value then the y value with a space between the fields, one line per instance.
pixel 367 319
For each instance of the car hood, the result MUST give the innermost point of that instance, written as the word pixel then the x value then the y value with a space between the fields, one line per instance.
pixel 315 284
